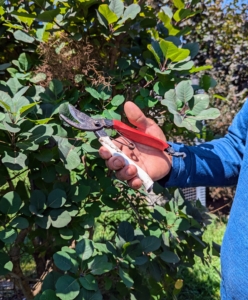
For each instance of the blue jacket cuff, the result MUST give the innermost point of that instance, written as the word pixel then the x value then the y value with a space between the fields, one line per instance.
pixel 178 168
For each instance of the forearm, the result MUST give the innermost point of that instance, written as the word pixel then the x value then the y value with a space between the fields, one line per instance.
pixel 211 164
pixel 215 163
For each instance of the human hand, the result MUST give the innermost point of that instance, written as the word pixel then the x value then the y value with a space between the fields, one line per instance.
pixel 156 163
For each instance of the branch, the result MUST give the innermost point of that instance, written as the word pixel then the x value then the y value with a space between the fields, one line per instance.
pixel 17 273
pixel 37 287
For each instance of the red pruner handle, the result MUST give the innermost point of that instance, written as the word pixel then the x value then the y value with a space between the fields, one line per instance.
pixel 139 136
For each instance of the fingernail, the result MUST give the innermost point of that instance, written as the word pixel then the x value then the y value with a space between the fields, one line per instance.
pixel 117 163
pixel 129 172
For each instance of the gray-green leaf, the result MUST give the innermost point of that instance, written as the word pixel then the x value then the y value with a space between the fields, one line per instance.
pixel 67 287
pixel 184 91
pixel 84 249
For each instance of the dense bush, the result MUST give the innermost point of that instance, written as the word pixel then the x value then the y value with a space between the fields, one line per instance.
pixel 91 237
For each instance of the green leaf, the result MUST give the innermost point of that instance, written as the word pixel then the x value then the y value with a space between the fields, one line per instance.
pixel 156 55
pixel 18 101
pixel 28 107
pixel 207 82
pixel 89 282
pixel 22 36
pixel 141 260
pixel 4 105
pixel 38 77
pixel 4 66
pixel 126 231
pixel 19 223
pixel 60 218
pixel 169 257
pixel 56 86
pixel 62 260
pixel 69 156
pixel 5 100
pixel 2 116
pixel 159 213
pixel 189 123
pixel 11 127
pixel 56 198
pixel 41 122
pixel 220 97
pixel 105 92
pixel 117 6
pixel 198 69
pixel 84 249
pixel 50 280
pixel 10 203
pixel 184 91
pixel 168 11
pixel 167 23
pixel 130 12
pixel 193 48
pixel 37 202
pixel 48 295
pixel 172 52
pixel 8 235
pixel 117 100
pixel 198 103
pixel 150 244
pixel 151 102
pixel 25 61
pixel 127 280
pixel 23 16
pixel 48 174
pixel 182 14
pixel 181 224
pixel 170 101
pixel 89 295
pixel 67 288
pixel 49 15
pixel 6 265
pixel 108 14
pixel 93 93
pixel 39 133
pixel 178 3
pixel 81 192
pixel 208 114
pixel 43 221
pixel 99 265
pixel 14 160
pixel 101 20
pixel 181 66
pixel 66 233
pixel 144 92
pixel 110 114
pixel 14 85
pixel 123 63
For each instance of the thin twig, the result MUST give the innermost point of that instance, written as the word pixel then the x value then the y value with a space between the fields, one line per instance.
pixel 217 209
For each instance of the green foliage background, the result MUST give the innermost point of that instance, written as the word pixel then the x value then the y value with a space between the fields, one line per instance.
pixel 92 237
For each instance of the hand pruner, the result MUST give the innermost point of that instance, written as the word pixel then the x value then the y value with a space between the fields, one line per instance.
pixel 87 123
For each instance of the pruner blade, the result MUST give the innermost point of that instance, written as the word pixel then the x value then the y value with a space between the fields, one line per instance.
pixel 87 123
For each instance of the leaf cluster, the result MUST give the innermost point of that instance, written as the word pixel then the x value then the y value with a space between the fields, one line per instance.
pixel 90 235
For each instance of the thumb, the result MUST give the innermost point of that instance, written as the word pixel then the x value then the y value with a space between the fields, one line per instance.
pixel 136 116
pixel 138 119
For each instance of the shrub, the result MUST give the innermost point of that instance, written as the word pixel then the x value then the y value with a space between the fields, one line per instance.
pixel 92 237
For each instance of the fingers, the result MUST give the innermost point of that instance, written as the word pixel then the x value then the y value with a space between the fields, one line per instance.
pixel 112 162
pixel 129 173
pixel 123 172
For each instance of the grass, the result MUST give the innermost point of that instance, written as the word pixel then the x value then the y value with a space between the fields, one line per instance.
pixel 202 282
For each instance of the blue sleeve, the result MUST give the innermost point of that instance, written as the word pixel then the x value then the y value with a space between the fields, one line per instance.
pixel 215 163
